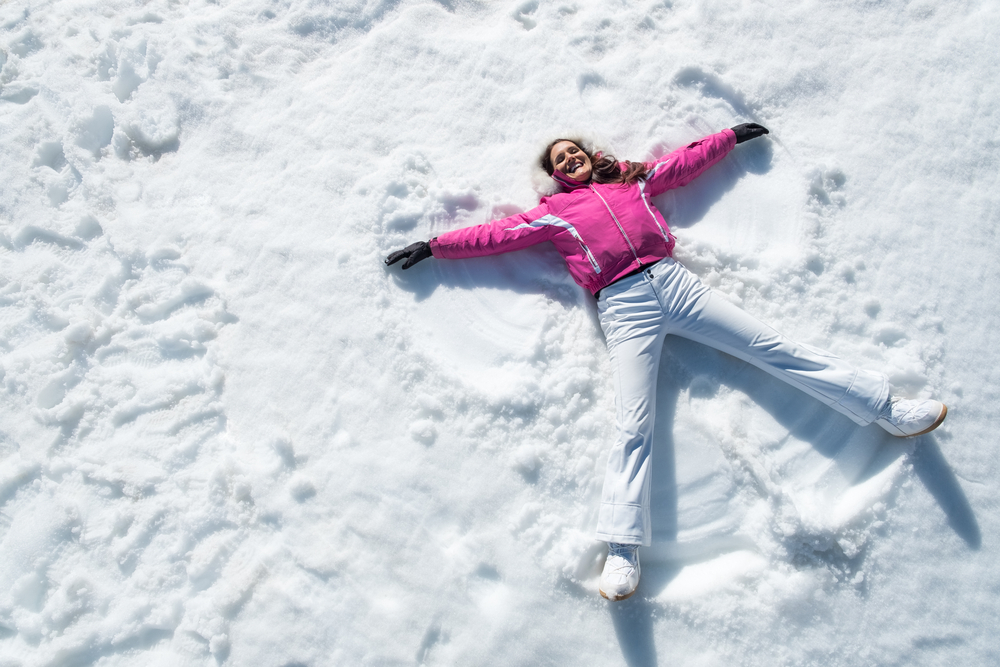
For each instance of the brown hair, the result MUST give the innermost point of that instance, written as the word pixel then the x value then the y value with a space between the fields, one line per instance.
pixel 605 168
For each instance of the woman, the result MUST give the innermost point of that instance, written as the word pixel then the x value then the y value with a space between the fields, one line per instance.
pixel 617 245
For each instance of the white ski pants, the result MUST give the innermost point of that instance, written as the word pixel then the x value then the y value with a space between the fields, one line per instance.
pixel 636 314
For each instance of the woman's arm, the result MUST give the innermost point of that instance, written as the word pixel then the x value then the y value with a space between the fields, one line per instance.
pixel 685 164
pixel 491 238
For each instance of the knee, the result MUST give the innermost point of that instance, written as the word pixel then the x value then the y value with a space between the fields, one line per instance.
pixel 631 438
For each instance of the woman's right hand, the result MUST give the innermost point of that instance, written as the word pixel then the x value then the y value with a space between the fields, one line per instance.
pixel 412 253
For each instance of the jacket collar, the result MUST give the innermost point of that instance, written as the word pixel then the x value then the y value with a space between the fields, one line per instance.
pixel 567 184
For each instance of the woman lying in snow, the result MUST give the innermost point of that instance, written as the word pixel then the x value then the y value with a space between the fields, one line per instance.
pixel 617 245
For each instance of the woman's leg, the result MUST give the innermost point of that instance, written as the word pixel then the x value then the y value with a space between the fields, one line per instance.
pixel 694 312
pixel 633 324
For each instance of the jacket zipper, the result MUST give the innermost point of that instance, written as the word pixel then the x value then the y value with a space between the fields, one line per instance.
pixel 620 228
pixel 572 231
pixel 590 255
pixel 666 237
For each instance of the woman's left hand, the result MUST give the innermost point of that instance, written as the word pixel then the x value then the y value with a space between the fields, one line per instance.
pixel 748 131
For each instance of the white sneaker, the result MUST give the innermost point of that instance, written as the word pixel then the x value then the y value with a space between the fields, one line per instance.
pixel 621 571
pixel 905 418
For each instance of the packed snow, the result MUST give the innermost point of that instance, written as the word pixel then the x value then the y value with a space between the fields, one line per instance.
pixel 230 435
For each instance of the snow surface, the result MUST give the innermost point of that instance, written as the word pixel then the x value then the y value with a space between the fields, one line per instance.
pixel 230 435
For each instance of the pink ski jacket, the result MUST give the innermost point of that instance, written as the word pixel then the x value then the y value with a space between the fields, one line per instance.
pixel 603 231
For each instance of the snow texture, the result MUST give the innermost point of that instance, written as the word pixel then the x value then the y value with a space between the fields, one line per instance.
pixel 230 435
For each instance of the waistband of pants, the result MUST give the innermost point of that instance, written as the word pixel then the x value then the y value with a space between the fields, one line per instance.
pixel 647 267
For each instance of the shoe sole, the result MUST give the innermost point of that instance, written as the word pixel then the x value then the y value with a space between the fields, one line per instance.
pixel 937 422
pixel 616 599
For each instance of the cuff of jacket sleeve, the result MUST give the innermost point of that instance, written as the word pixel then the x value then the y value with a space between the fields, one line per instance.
pixel 435 252
pixel 731 136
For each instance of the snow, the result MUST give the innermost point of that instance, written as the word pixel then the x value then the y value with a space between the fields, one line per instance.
pixel 230 435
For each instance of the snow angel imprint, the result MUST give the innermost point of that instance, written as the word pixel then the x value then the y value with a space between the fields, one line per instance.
pixel 618 246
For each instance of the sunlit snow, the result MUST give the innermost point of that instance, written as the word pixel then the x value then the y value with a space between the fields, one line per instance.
pixel 230 435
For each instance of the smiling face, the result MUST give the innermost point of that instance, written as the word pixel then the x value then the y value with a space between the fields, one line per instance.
pixel 570 160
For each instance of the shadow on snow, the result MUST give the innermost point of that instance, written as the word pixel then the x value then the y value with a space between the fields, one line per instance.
pixel 541 270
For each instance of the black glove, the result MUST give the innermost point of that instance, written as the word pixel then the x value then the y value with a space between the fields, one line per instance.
pixel 412 253
pixel 747 131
